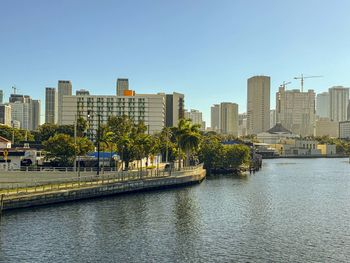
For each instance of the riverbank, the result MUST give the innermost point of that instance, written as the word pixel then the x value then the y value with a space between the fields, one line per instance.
pixel 305 156
pixel 75 191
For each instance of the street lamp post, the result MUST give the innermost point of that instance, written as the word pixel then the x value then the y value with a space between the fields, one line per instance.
pixel 98 138
pixel 98 142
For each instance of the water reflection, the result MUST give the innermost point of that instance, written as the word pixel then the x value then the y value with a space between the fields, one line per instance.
pixel 291 211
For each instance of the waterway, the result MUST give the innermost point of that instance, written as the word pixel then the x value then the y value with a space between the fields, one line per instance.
pixel 293 210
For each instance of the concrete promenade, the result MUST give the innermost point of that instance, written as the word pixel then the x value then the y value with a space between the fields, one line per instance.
pixel 45 192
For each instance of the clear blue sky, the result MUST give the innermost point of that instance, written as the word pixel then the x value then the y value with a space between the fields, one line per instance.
pixel 205 49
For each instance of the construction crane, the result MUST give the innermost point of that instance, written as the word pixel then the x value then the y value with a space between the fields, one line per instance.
pixel 284 84
pixel 302 80
pixel 14 89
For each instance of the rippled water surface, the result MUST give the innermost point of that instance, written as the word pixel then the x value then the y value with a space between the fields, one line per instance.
pixel 294 210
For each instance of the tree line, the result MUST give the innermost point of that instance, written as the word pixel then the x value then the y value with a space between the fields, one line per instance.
pixel 184 144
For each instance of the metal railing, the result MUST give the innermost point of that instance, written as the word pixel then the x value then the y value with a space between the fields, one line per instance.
pixel 76 182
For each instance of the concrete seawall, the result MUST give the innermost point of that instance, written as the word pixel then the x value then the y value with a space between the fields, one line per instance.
pixel 59 196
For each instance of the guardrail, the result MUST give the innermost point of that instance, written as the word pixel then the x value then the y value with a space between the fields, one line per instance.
pixel 64 183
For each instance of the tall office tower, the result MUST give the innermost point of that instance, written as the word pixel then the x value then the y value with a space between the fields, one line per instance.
pixel 215 117
pixel 295 110
pixel 64 89
pixel 51 105
pixel 122 85
pixel 258 104
pixel 196 117
pixel 5 114
pixel 1 96
pixel 322 105
pixel 82 92
pixel 272 118
pixel 175 108
pixel 36 109
pixel 22 112
pixel 229 118
pixel 338 103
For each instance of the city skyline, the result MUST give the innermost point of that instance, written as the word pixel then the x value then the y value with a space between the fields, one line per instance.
pixel 144 43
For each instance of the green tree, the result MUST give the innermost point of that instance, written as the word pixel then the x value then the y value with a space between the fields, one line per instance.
pixel 167 144
pixel 46 131
pixel 81 126
pixel 61 149
pixel 18 134
pixel 120 128
pixel 212 152
pixel 236 155
pixel 83 146
pixel 188 138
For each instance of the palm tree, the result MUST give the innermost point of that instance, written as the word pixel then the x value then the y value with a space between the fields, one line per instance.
pixel 188 138
pixel 165 136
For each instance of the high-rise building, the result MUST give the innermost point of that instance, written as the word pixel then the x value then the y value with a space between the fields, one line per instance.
pixel 295 110
pixel 344 130
pixel 19 98
pixel 338 103
pixel 242 124
pixel 25 110
pixel 82 92
pixel 148 108
pixel 1 96
pixel 322 105
pixel 36 110
pixel 15 124
pixel 122 85
pixel 229 118
pixel 258 104
pixel 175 108
pixel 196 117
pixel 51 106
pixel 272 118
pixel 5 114
pixel 215 118
pixel 326 127
pixel 22 112
pixel 64 89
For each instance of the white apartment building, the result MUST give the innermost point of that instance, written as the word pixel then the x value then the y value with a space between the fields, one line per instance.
pixel 295 110
pixel 338 103
pixel 258 104
pixel 149 108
